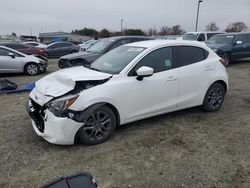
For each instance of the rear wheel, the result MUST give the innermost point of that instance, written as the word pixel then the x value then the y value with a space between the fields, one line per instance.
pixel 98 126
pixel 226 57
pixel 214 98
pixel 31 69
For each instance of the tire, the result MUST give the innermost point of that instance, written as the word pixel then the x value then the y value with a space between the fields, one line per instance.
pixel 31 69
pixel 98 126
pixel 214 98
pixel 227 58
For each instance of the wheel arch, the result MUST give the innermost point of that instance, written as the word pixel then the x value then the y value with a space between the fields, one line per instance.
pixel 99 104
pixel 30 62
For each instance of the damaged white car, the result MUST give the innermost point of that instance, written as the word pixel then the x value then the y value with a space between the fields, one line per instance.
pixel 129 83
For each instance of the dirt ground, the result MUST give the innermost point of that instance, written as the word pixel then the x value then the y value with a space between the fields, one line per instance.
pixel 189 148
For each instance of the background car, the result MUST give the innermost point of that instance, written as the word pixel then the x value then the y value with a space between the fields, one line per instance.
pixel 25 48
pixel 97 50
pixel 58 49
pixel 199 36
pixel 12 61
pixel 231 46
pixel 129 83
pixel 87 44
pixel 36 44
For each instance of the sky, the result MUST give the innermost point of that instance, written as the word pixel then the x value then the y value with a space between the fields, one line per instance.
pixel 34 16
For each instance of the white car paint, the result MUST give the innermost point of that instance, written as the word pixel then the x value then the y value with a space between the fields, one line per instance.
pixel 9 64
pixel 160 93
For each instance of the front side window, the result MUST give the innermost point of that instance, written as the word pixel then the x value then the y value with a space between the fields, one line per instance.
pixel 238 38
pixel 4 52
pixel 116 60
pixel 221 39
pixel 160 60
pixel 119 43
pixel 190 54
pixel 201 37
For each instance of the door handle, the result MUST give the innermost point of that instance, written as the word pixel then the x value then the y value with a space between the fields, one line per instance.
pixel 171 78
pixel 208 67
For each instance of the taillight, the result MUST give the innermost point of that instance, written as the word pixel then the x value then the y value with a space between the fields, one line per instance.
pixel 41 50
pixel 223 62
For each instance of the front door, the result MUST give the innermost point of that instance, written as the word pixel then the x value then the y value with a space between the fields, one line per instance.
pixel 155 94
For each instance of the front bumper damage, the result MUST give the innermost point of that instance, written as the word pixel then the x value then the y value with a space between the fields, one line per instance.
pixel 56 130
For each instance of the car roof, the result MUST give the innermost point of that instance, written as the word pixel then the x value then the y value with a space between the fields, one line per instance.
pixel 236 33
pixel 156 43
pixel 60 42
pixel 129 37
pixel 198 32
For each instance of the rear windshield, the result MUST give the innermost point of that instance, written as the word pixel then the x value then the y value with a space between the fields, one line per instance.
pixel 221 39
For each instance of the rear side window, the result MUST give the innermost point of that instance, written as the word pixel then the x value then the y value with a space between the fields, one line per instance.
pixel 209 35
pixel 190 54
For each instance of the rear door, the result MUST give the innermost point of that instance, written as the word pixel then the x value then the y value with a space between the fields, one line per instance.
pixel 195 73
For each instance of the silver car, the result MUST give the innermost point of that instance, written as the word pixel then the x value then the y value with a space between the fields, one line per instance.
pixel 12 61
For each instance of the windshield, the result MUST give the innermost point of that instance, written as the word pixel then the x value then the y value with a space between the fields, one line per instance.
pixel 98 47
pixel 116 60
pixel 189 36
pixel 221 39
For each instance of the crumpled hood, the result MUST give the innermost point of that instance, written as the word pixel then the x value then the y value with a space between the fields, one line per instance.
pixel 90 57
pixel 63 81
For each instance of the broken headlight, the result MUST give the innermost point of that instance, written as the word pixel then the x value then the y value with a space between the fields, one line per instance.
pixel 60 106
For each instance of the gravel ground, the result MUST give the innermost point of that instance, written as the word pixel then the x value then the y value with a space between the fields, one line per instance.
pixel 189 148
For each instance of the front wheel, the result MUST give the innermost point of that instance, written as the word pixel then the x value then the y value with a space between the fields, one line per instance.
pixel 98 126
pixel 31 69
pixel 214 98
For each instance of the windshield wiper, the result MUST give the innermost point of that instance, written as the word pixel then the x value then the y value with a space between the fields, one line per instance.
pixel 94 69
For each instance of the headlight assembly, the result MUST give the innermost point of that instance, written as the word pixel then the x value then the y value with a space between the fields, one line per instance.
pixel 61 105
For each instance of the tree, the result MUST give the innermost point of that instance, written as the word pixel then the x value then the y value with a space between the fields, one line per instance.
pixel 165 30
pixel 14 34
pixel 236 27
pixel 104 33
pixel 177 30
pixel 86 32
pixel 212 27
pixel 134 32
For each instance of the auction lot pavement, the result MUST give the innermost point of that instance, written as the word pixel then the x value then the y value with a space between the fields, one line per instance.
pixel 189 148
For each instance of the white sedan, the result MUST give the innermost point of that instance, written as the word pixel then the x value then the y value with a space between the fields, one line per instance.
pixel 132 82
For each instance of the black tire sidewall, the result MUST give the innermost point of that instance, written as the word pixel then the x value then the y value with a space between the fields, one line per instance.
pixel 205 106
pixel 84 139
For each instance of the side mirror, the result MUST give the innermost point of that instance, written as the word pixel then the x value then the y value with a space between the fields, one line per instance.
pixel 11 54
pixel 144 71
pixel 238 42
